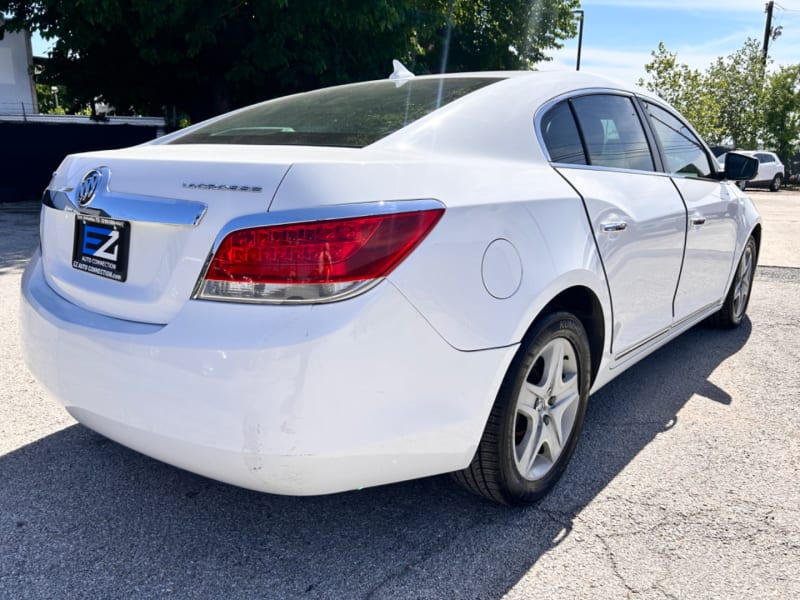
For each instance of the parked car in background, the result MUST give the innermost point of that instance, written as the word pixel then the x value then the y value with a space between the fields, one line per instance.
pixel 771 171
pixel 385 280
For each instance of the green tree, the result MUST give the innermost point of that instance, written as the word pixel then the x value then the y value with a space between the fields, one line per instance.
pixel 205 57
pixel 472 35
pixel 738 82
pixel 688 90
pixel 781 112
pixel 725 103
pixel 58 101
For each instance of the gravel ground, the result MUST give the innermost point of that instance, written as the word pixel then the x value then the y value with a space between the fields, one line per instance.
pixel 685 485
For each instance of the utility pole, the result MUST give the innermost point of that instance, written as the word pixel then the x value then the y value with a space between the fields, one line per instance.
pixel 767 31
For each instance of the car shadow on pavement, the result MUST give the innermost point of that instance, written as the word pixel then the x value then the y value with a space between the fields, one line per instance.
pixel 81 516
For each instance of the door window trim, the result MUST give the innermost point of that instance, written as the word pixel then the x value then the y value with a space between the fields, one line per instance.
pixel 568 97
pixel 642 101
pixel 639 102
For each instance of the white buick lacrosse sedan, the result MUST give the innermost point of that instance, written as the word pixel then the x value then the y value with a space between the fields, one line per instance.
pixel 381 281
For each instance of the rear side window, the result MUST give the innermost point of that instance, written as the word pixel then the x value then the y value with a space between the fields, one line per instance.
pixel 613 133
pixel 349 116
pixel 764 158
pixel 683 151
pixel 561 137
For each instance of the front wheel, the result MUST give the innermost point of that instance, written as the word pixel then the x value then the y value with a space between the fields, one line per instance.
pixel 735 306
pixel 777 181
pixel 534 424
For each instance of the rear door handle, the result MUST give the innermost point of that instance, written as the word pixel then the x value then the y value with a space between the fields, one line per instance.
pixel 698 220
pixel 613 226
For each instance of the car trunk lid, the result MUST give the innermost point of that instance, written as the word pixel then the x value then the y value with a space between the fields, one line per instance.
pixel 136 247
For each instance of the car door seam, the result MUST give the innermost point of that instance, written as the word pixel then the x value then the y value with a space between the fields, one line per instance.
pixel 685 244
pixel 599 254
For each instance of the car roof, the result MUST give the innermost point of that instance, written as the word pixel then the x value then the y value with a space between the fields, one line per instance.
pixel 550 81
pixel 498 119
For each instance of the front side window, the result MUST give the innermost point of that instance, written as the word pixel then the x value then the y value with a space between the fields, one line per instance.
pixel 683 151
pixel 349 116
pixel 613 133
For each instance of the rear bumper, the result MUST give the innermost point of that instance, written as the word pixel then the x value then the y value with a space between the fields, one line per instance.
pixel 283 399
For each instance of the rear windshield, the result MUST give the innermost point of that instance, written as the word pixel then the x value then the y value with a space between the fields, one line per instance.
pixel 351 116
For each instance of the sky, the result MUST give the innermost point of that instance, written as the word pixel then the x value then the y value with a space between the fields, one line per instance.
pixel 618 35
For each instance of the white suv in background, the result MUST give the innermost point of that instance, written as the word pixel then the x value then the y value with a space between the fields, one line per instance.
pixel 770 171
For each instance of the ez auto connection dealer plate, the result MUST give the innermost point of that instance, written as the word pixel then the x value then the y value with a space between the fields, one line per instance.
pixel 101 246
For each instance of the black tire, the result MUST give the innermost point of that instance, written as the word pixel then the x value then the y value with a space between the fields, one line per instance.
pixel 495 470
pixel 777 181
pixel 734 308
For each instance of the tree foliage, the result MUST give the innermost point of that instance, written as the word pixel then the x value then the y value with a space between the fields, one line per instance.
pixel 781 116
pixel 688 90
pixel 738 82
pixel 495 34
pixel 207 56
pixel 735 100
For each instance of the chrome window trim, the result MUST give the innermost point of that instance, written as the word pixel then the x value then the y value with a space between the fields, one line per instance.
pixel 612 169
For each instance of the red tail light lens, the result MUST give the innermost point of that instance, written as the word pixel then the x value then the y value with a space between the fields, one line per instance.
pixel 315 261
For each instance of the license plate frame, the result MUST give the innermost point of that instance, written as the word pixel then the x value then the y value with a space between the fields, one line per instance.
pixel 101 246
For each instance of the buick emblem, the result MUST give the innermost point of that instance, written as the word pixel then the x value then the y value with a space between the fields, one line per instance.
pixel 88 187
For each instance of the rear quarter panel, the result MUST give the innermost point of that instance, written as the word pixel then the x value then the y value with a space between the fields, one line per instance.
pixel 528 205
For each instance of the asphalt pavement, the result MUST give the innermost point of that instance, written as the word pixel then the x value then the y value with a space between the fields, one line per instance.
pixel 686 484
pixel 780 212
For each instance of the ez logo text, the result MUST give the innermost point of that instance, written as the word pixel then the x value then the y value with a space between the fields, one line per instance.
pixel 102 242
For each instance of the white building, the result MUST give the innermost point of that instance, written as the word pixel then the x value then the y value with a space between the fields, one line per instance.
pixel 17 92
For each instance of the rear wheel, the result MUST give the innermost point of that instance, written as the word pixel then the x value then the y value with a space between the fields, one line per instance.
pixel 733 310
pixel 777 181
pixel 534 425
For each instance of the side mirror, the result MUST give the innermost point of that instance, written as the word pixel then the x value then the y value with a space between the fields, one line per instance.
pixel 740 167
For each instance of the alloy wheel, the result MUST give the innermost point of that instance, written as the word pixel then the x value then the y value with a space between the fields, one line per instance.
pixel 546 409
pixel 744 276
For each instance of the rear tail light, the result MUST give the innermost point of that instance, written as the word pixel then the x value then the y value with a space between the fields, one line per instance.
pixel 318 261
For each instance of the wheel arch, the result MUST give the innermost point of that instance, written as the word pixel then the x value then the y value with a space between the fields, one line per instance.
pixel 582 302
pixel 756 235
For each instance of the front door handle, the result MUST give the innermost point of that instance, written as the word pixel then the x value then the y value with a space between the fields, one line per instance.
pixel 613 226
